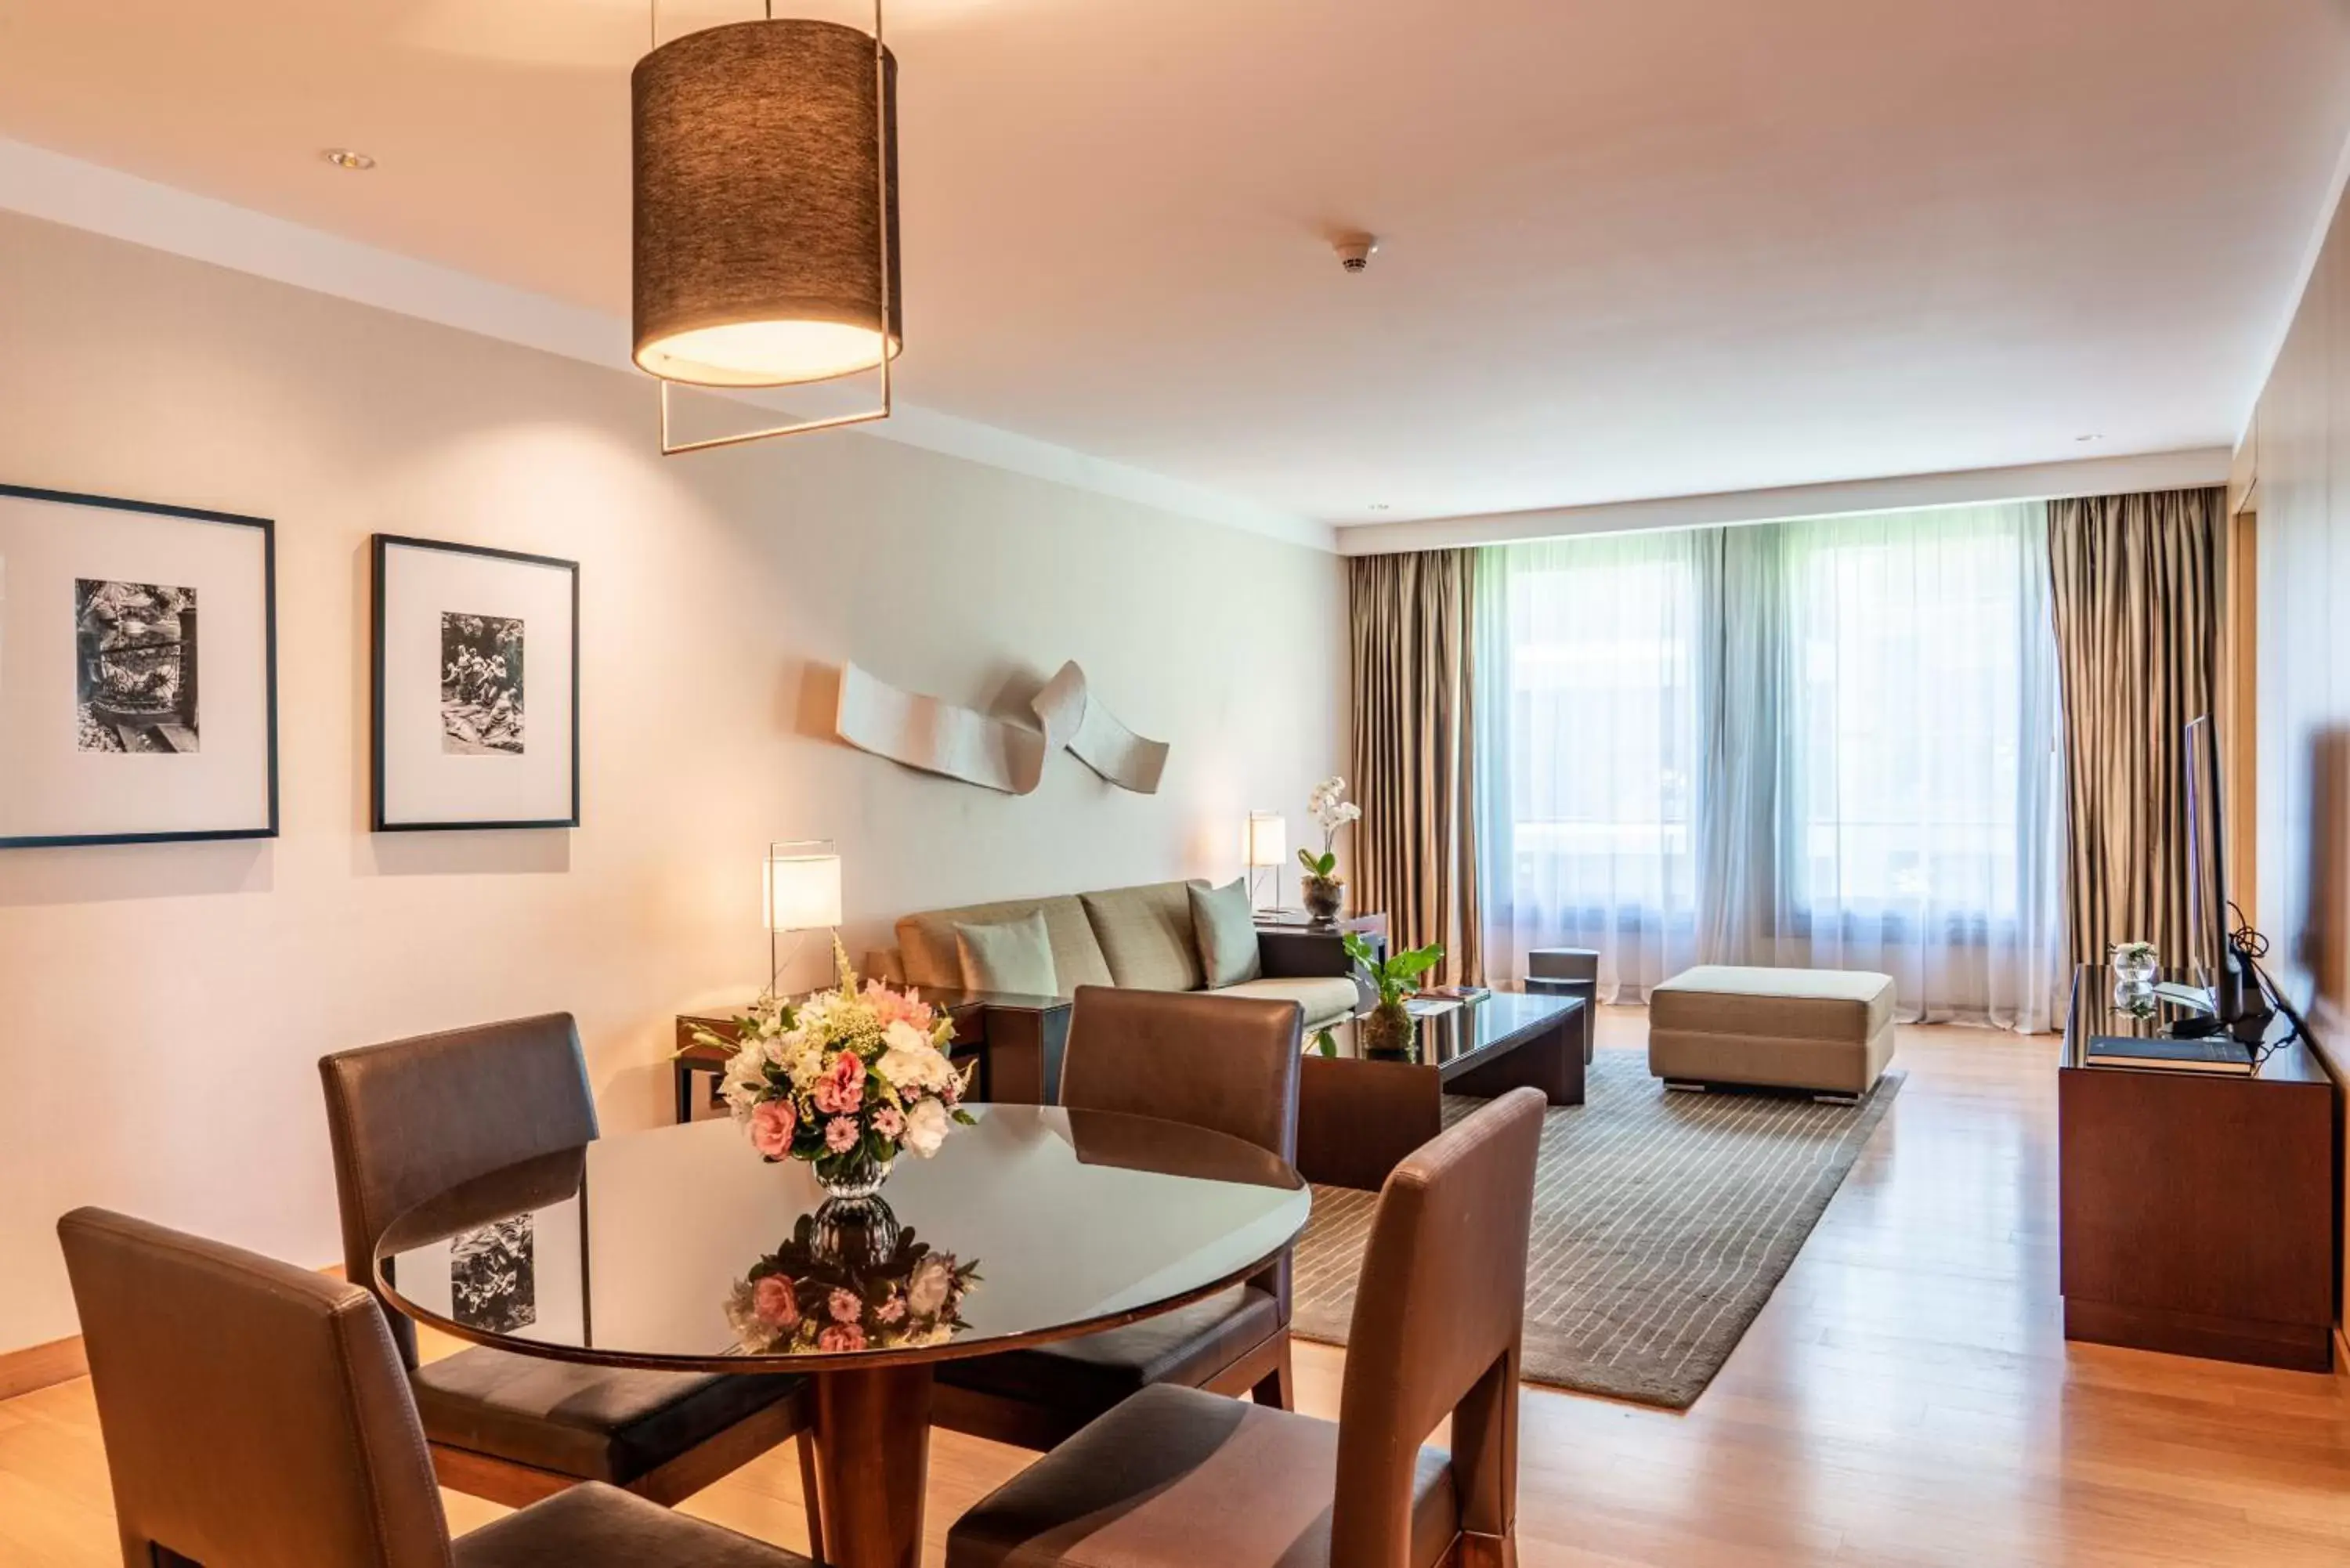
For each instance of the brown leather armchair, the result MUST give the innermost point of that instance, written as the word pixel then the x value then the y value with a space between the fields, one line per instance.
pixel 1228 1063
pixel 1176 1478
pixel 256 1414
pixel 409 1120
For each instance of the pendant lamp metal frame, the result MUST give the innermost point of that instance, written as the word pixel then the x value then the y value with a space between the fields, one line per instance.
pixel 881 162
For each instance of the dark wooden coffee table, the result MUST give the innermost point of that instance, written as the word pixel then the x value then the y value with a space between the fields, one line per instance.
pixel 1358 1117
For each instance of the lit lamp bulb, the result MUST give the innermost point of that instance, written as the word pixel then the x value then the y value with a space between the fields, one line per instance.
pixel 803 892
pixel 1265 845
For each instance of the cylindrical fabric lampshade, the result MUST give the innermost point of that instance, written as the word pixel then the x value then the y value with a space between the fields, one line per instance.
pixel 760 207
pixel 1268 838
pixel 803 888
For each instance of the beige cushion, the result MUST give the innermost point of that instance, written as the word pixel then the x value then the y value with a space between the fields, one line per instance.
pixel 926 942
pixel 1830 1030
pixel 1327 998
pixel 1146 935
pixel 1225 928
pixel 1013 958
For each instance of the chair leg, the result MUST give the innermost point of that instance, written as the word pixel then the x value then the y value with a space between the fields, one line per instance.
pixel 1278 1388
pixel 1470 1550
pixel 807 1495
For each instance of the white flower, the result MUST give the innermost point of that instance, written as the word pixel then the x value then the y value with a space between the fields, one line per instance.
pixel 926 1127
pixel 746 1080
pixel 913 1065
pixel 926 1292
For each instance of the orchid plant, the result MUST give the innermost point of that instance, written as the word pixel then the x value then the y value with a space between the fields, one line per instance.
pixel 1328 806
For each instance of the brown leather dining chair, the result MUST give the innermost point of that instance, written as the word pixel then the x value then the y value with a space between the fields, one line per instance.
pixel 1174 1477
pixel 256 1416
pixel 1225 1062
pixel 413 1118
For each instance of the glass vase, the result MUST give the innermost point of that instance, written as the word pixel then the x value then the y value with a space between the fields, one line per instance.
pixel 1325 896
pixel 2135 965
pixel 855 1174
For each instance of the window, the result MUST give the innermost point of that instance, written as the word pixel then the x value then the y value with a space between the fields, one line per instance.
pixel 1825 742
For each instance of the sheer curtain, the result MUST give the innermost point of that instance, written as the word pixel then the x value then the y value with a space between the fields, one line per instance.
pixel 1865 770
pixel 1588 738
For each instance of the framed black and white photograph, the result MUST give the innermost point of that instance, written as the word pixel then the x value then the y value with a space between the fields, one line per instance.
pixel 476 659
pixel 138 671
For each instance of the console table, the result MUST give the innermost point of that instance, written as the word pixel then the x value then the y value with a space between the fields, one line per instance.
pixel 2197 1210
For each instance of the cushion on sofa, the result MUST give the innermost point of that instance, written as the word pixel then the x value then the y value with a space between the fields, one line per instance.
pixel 1225 928
pixel 1146 936
pixel 926 942
pixel 1327 998
pixel 1013 958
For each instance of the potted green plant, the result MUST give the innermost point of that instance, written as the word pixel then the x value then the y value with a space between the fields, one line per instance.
pixel 1324 890
pixel 1387 1029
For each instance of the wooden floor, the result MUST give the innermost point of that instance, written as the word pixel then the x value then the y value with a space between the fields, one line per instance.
pixel 1906 1397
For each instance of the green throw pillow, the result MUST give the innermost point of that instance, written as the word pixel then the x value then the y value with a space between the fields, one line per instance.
pixel 1226 928
pixel 1014 959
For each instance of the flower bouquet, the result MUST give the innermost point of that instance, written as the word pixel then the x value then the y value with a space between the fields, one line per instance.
pixel 844 1079
pixel 879 1289
pixel 1324 890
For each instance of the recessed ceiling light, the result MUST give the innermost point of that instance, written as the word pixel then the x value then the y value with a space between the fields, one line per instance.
pixel 344 158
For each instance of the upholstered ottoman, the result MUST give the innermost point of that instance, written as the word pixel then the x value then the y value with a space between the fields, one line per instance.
pixel 1826 1029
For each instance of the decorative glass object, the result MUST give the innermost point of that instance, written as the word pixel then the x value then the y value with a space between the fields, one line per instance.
pixel 854 1175
pixel 2135 964
pixel 1324 897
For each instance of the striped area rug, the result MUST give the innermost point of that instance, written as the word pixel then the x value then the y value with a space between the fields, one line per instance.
pixel 1662 1223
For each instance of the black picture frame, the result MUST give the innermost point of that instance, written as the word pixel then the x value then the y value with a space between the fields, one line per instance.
pixel 380 819
pixel 267 829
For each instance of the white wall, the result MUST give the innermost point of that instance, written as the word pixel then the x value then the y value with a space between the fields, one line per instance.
pixel 161 1006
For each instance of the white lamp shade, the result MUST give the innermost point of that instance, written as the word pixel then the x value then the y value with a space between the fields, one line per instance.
pixel 802 889
pixel 1267 841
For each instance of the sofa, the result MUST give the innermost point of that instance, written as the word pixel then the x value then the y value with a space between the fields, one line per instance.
pixel 1138 938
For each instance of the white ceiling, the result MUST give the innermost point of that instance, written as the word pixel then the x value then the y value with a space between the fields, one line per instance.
pixel 1631 249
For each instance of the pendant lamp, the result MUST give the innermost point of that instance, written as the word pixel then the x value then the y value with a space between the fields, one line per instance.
pixel 765 214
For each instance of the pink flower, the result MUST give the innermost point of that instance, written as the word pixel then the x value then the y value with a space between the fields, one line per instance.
pixel 888 1121
pixel 892 1310
pixel 844 1307
pixel 841 1336
pixel 841 1091
pixel 840 1135
pixel 775 1302
pixel 773 1122
pixel 897 1006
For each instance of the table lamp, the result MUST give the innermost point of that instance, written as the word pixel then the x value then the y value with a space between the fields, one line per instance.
pixel 802 887
pixel 1265 847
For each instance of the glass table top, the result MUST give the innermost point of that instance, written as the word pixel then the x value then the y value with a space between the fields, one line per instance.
pixel 1455 1033
pixel 682 1248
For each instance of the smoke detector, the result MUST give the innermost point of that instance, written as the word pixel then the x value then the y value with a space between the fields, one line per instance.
pixel 1354 250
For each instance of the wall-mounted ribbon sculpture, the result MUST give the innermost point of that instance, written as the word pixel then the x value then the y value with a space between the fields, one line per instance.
pixel 938 737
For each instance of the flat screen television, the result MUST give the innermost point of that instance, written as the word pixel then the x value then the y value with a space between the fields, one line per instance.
pixel 2212 958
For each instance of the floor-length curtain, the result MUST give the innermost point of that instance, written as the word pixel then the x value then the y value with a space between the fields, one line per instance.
pixel 2138 627
pixel 1414 850
pixel 1913 821
pixel 1589 661
pixel 1827 744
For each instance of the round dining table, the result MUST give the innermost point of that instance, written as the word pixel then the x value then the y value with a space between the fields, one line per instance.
pixel 682 1248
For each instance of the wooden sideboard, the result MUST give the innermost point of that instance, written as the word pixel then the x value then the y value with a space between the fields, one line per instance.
pixel 2198 1211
